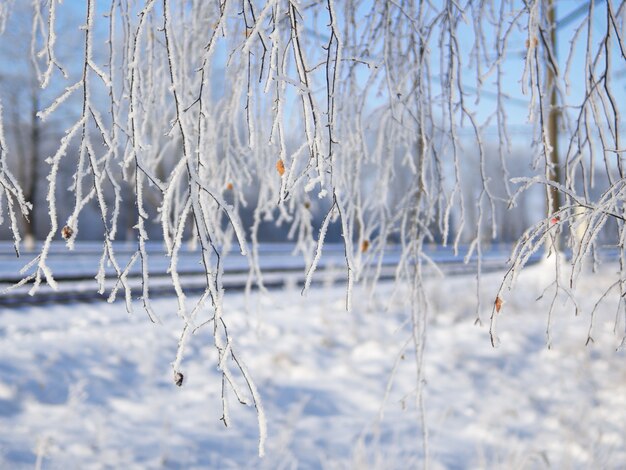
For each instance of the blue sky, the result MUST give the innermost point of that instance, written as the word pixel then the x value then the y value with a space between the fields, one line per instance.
pixel 517 110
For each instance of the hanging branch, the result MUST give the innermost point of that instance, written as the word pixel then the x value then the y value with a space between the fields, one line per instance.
pixel 369 119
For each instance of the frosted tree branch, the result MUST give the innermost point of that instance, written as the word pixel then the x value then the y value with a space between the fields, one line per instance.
pixel 374 118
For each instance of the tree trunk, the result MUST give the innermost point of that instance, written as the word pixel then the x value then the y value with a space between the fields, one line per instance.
pixel 554 172
pixel 31 167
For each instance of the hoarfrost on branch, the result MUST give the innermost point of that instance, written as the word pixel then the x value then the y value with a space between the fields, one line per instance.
pixel 362 108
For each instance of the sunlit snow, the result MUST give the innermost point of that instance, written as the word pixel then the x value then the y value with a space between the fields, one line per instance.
pixel 88 386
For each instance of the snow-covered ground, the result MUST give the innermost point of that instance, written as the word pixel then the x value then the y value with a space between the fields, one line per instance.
pixel 88 386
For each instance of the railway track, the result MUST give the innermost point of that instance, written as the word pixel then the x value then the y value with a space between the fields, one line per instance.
pixel 75 272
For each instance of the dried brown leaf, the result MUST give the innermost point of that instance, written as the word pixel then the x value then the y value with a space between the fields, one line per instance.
pixel 280 167
pixel 498 303
pixel 67 232
pixel 178 378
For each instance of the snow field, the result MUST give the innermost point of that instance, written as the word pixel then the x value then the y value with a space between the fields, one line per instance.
pixel 88 386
